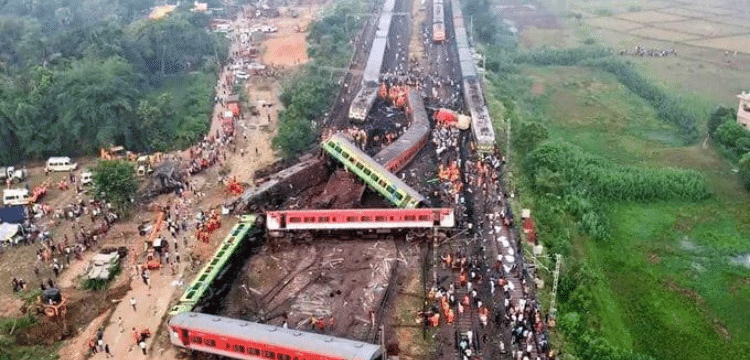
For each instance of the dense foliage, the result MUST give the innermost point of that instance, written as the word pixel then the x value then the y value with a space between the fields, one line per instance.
pixel 577 171
pixel 308 96
pixel 74 76
pixel 114 182
pixel 732 140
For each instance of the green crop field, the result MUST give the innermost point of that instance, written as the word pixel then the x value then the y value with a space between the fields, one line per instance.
pixel 671 288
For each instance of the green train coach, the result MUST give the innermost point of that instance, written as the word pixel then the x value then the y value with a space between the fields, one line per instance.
pixel 198 287
pixel 372 173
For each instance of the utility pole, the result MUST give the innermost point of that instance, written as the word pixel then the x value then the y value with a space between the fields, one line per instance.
pixel 553 302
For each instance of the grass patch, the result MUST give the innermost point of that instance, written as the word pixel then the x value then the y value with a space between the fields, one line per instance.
pixel 668 287
pixel 669 270
pixel 10 351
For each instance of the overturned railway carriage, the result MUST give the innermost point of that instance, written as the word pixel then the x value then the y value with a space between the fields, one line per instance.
pixel 401 152
pixel 375 220
pixel 201 286
pixel 372 173
pixel 240 339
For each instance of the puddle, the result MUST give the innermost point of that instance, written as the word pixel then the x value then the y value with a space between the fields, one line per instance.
pixel 742 260
pixel 688 245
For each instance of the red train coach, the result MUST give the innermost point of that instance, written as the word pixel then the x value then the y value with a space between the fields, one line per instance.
pixel 357 219
pixel 247 340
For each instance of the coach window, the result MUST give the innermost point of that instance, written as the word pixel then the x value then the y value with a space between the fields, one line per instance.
pixel 398 196
pixel 380 218
pixel 253 351
pixel 309 219
pixel 367 171
pixel 366 218
pixel 351 218
pixel 238 348
pixel 197 340
pixel 295 219
pixel 269 354
pixel 410 218
pixel 360 166
pixel 323 219
pixel 424 218
pixel 390 189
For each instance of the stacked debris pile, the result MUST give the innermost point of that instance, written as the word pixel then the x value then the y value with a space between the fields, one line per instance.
pixel 166 178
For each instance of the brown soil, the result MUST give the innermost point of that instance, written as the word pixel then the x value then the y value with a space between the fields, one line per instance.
pixel 83 307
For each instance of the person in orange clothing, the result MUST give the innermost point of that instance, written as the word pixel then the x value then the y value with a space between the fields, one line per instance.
pixel 321 323
pixel 435 320
pixel 450 317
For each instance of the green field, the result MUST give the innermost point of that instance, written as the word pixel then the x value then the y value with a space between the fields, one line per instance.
pixel 669 287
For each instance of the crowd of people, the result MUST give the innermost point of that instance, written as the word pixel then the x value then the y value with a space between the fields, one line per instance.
pixel 644 51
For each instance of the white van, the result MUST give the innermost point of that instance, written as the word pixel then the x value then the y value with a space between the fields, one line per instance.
pixel 61 163
pixel 16 197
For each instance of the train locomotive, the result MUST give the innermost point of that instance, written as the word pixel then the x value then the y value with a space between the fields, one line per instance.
pixel 438 22
pixel 247 340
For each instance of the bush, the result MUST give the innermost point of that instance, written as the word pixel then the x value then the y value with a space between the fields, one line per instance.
pixel 601 179
pixel 99 284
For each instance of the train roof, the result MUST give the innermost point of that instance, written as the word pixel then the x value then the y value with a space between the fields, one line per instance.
pixel 384 25
pixel 456 5
pixel 364 99
pixel 389 5
pixel 461 40
pixel 374 61
pixel 276 336
pixel 438 13
pixel 467 69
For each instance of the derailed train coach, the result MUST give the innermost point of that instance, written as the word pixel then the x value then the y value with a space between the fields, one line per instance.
pixel 239 339
pixel 401 152
pixel 362 221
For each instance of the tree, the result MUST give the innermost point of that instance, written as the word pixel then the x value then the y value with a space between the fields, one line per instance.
pixel 719 116
pixel 95 99
pixel 114 182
